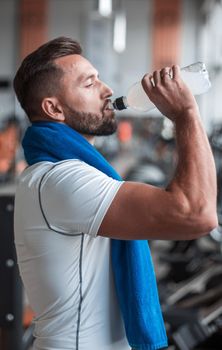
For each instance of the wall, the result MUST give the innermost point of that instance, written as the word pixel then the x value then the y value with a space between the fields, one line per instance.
pixel 76 18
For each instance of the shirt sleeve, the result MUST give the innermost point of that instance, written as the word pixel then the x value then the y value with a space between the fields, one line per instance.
pixel 75 197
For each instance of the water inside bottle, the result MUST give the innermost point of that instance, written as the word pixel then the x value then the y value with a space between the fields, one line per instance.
pixel 138 99
pixel 198 82
pixel 194 75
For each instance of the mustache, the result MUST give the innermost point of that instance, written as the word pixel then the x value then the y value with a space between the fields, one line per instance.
pixel 108 104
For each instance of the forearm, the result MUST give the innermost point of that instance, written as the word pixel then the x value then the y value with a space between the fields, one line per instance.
pixel 190 201
pixel 195 176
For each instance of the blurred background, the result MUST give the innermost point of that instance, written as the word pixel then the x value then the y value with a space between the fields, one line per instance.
pixel 123 39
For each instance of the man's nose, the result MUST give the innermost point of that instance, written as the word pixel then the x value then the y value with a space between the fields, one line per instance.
pixel 107 91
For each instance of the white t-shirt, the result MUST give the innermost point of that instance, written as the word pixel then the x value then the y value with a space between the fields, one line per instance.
pixel 65 267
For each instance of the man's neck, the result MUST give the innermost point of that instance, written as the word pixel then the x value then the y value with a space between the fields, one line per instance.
pixel 89 138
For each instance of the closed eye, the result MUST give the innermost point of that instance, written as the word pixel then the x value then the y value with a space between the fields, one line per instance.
pixel 91 80
pixel 89 85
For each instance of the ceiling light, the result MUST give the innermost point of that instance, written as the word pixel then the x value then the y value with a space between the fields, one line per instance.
pixel 105 7
pixel 119 39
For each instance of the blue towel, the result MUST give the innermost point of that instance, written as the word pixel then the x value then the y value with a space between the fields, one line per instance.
pixel 131 260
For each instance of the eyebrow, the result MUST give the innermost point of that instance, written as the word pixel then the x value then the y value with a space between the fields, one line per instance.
pixel 84 76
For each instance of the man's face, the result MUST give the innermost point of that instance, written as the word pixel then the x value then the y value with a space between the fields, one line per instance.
pixel 85 98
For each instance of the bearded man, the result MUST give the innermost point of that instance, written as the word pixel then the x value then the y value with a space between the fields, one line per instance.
pixel 81 231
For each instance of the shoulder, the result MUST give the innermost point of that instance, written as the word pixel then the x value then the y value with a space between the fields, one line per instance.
pixel 72 172
pixel 73 195
pixel 70 167
pixel 63 176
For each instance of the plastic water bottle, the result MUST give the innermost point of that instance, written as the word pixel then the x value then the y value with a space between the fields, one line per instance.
pixel 194 75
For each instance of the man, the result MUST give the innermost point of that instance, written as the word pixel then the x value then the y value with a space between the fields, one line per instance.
pixel 70 202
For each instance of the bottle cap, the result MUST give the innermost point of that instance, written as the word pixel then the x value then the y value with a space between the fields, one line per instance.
pixel 120 103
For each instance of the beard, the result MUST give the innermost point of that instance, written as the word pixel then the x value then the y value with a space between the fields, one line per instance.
pixel 89 123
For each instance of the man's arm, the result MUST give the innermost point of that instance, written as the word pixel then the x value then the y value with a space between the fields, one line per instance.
pixel 186 209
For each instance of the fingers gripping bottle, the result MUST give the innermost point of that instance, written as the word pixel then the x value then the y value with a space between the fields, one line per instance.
pixel 194 75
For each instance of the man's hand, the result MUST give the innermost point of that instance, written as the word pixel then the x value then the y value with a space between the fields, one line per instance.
pixel 169 93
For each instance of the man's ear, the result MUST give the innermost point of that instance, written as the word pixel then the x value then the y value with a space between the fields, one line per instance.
pixel 53 109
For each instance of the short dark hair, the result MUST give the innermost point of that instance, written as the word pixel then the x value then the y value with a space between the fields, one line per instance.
pixel 38 75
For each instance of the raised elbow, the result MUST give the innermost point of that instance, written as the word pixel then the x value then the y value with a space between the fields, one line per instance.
pixel 204 223
pixel 200 218
pixel 208 222
pixel 202 214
